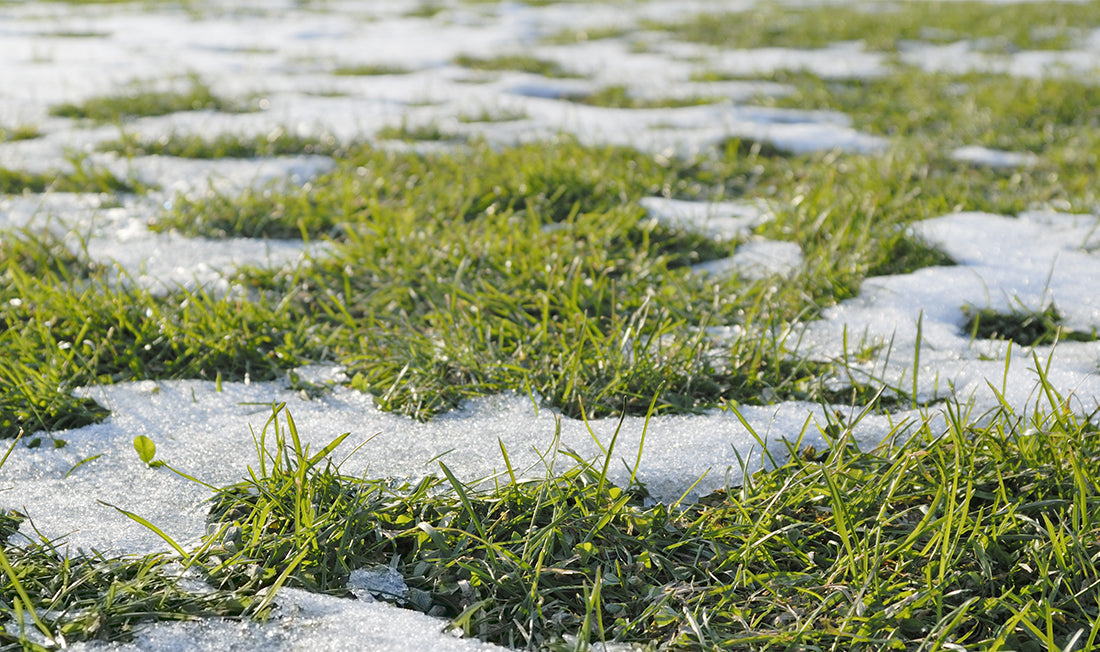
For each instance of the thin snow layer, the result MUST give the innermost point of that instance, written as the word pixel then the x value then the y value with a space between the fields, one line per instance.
pixel 757 259
pixel 119 237
pixel 972 56
pixel 993 158
pixel 721 221
pixel 286 54
pixel 1006 264
pixel 302 621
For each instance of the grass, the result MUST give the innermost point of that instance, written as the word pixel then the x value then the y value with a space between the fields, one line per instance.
pixel 278 142
pixel 619 97
pixel 473 270
pixel 369 70
pixel 83 177
pixel 555 324
pixel 570 37
pixel 66 323
pixel 491 115
pixel 1027 25
pixel 19 132
pixel 430 132
pixel 1024 327
pixel 971 535
pixel 518 62
pixel 137 101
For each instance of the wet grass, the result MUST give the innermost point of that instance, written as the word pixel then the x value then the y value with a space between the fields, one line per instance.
pixel 470 271
pixel 517 62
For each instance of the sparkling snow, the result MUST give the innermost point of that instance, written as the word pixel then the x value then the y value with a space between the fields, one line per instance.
pixel 281 54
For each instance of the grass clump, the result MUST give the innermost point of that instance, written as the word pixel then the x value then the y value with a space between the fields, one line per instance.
pixel 432 296
pixel 1024 327
pixel 619 97
pixel 66 323
pixel 976 532
pixel 1045 116
pixel 369 70
pixel 138 101
pixel 20 132
pixel 430 132
pixel 571 36
pixel 490 115
pixel 518 62
pixel 278 142
pixel 83 177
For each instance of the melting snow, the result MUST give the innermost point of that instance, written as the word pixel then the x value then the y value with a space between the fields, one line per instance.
pixel 994 158
pixel 284 53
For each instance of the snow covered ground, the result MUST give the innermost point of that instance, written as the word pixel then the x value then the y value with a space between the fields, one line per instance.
pixel 287 52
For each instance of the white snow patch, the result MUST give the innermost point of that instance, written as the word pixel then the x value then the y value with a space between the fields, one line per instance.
pixel 721 221
pixel 757 259
pixel 993 158
pixel 1006 264
pixel 302 621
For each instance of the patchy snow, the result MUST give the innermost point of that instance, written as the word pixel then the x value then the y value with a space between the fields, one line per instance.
pixel 721 221
pixel 757 259
pixel 1004 263
pixel 282 54
pixel 302 621
pixel 119 237
pixel 993 158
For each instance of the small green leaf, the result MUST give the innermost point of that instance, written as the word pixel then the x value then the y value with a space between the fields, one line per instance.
pixel 145 448
pixel 585 549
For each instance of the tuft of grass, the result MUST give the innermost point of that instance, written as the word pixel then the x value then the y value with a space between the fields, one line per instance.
pixel 489 115
pixel 979 535
pixel 430 132
pixel 619 97
pixel 368 70
pixel 20 132
pixel 1024 327
pixel 519 62
pixel 278 142
pixel 84 177
pixel 137 101
pixel 570 36
pixel 425 10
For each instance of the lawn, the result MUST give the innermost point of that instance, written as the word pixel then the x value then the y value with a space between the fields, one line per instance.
pixel 550 325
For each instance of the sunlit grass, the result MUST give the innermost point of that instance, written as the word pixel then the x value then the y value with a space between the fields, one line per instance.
pixel 138 101
pixel 977 535
pixel 518 62
pixel 471 270
pixel 278 142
